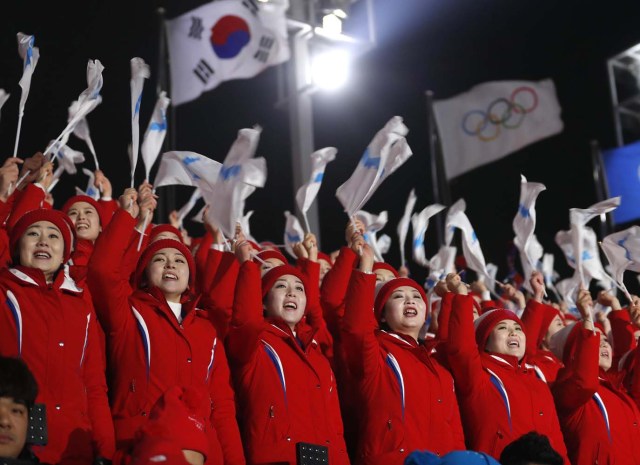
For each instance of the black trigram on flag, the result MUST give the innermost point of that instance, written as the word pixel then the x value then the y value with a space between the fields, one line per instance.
pixel 264 49
pixel 203 71
pixel 251 5
pixel 196 29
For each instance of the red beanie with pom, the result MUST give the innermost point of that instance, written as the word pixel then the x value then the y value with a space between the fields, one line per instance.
pixel 268 253
pixel 271 276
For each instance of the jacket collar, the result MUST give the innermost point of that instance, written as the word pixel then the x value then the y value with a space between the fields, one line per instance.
pixel 35 277
pixel 402 339
pixel 304 332
pixel 154 296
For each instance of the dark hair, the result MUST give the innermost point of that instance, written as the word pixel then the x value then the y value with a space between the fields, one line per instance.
pixel 17 381
pixel 530 448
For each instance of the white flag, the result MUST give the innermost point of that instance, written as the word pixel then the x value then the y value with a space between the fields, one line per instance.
pixel 589 260
pixel 91 189
pixel 494 119
pixel 139 72
pixel 459 206
pixel 293 233
pixel 619 262
pixel 238 178
pixel 419 224
pixel 81 131
pixel 154 136
pixel 470 244
pixel 307 193
pixel 372 224
pixel 67 161
pixel 403 224
pixel 224 40
pixel 441 264
pixel 187 207
pixel 87 101
pixel 549 273
pixel 386 153
pixel 578 218
pixel 629 240
pixel 3 97
pixel 187 169
pixel 246 228
pixel 384 244
pixel 30 56
pixel 568 289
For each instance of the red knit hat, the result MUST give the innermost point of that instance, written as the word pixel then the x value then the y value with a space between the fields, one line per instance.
pixel 384 292
pixel 183 413
pixel 548 313
pixel 160 228
pixel 62 222
pixel 151 249
pixel 325 257
pixel 270 277
pixel 268 253
pixel 102 215
pixel 384 266
pixel 485 323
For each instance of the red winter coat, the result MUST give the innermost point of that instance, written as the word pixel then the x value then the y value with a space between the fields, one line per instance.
pixel 54 330
pixel 406 397
pixel 149 351
pixel 599 420
pixel 500 398
pixel 286 389
pixel 545 360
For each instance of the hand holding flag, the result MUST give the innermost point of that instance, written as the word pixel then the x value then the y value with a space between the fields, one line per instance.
pixel 293 233
pixel 186 168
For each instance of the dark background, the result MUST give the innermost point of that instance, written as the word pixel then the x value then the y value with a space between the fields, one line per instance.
pixel 445 46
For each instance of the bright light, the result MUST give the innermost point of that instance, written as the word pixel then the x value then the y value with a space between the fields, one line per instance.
pixel 330 70
pixel 332 24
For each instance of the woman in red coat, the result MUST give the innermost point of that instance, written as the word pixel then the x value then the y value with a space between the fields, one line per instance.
pixel 406 398
pixel 156 336
pixel 601 423
pixel 501 396
pixel 286 388
pixel 47 322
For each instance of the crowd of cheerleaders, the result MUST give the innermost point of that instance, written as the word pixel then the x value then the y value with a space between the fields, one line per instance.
pixel 145 341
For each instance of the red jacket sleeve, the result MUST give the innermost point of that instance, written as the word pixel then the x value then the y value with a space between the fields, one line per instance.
pixel 577 381
pixel 313 313
pixel 201 257
pixel 31 198
pixel 109 207
pixel 247 320
pixel 462 350
pixel 622 330
pixel 106 277
pixel 223 412
pixel 334 289
pixel 96 386
pixel 532 320
pixel 220 291
pixel 358 326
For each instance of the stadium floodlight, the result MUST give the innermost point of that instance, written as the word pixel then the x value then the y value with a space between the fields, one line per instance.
pixel 330 68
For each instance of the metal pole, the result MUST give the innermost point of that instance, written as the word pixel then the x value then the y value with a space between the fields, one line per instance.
pixel 301 121
pixel 614 103
pixel 600 183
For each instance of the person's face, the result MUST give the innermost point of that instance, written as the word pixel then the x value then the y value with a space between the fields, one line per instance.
pixel 268 264
pixel 383 275
pixel 86 220
pixel 324 267
pixel 404 311
pixel 168 270
pixel 14 419
pixel 42 247
pixel 606 353
pixel 508 338
pixel 286 300
pixel 556 325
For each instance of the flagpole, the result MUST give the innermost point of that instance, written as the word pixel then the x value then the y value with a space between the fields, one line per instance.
pixel 435 164
pixel 600 183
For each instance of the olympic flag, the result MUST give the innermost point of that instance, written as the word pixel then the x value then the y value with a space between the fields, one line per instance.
pixel 223 40
pixel 494 119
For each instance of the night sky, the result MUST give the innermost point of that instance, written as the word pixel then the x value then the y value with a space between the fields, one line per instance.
pixel 445 46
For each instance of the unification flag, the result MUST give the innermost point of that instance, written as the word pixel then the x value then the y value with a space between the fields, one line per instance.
pixel 30 56
pixel 3 97
pixel 293 232
pixel 629 241
pixel 156 131
pixel 373 224
pixel 307 193
pixel 139 72
pixel 471 249
pixel 403 224
pixel 224 40
pixel 622 171
pixel 187 169
pixel 586 259
pixel 420 223
pixel 441 264
pixel 494 119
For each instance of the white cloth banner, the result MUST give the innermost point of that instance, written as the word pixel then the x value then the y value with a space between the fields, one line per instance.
pixel 307 193
pixel 629 240
pixel 372 224
pixel 589 261
pixel 386 153
pixel 156 131
pixel 224 40
pixel 30 56
pixel 441 264
pixel 494 119
pixel 139 72
pixel 419 224
pixel 403 224
pixel 293 233
pixel 4 96
pixel 470 244
pixel 187 169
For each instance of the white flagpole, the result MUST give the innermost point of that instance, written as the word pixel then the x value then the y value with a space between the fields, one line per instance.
pixel 306 222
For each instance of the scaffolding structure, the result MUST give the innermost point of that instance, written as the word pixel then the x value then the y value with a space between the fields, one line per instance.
pixel 624 84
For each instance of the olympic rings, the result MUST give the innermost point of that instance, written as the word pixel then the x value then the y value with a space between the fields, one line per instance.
pixel 502 112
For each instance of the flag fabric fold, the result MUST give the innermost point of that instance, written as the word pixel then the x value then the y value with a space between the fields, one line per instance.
pixel 4 96
pixel 223 40
pixel 30 56
pixel 139 72
pixel 372 224
pixel 470 244
pixel 155 133
pixel 188 206
pixel 441 264
pixel 585 259
pixel 307 193
pixel 293 232
pixel 403 225
pixel 419 224
pixel 187 169
pixel 493 119
pixel 385 154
